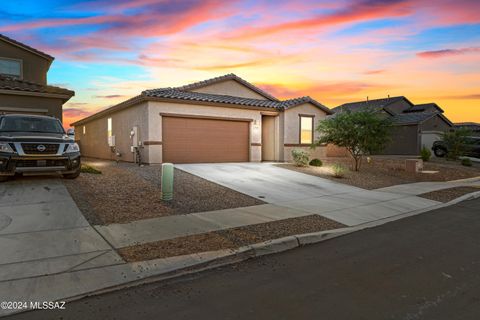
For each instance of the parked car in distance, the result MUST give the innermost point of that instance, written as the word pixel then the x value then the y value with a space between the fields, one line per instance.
pixel 472 148
pixel 31 144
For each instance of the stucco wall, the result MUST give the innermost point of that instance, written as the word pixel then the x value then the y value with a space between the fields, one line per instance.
pixel 94 143
pixel 291 132
pixel 399 106
pixel 38 105
pixel 435 124
pixel 155 124
pixel 34 67
pixel 231 88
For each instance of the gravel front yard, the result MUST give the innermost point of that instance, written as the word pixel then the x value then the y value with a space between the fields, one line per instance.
pixel 385 172
pixel 227 239
pixel 125 192
pixel 449 194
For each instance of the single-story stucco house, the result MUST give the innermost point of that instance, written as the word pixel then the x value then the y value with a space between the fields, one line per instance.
pixel 23 81
pixel 224 119
pixel 414 126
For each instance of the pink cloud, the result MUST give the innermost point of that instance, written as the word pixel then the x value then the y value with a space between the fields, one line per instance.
pixel 377 71
pixel 447 52
pixel 73 112
pixel 357 11
pixel 110 96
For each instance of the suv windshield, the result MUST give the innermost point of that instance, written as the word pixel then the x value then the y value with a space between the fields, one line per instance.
pixel 30 124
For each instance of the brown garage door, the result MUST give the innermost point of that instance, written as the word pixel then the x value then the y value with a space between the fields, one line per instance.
pixel 190 140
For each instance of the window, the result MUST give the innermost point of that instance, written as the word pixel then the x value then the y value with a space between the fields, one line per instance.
pixel 306 129
pixel 30 124
pixel 11 68
pixel 111 137
pixel 109 129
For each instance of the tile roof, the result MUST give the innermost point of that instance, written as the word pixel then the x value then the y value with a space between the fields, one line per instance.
pixel 230 76
pixel 412 118
pixel 182 93
pixel 24 46
pixel 7 83
pixel 375 104
pixel 174 93
pixel 424 107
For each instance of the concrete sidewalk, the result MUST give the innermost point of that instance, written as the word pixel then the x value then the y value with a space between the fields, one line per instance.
pixel 350 209
pixel 425 187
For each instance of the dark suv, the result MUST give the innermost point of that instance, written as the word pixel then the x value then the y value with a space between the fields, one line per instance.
pixel 472 148
pixel 36 144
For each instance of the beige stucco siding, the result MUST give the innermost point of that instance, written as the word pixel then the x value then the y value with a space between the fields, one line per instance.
pixel 155 109
pixel 291 130
pixel 94 143
pixel 231 88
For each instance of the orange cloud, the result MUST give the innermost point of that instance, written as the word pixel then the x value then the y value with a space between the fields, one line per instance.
pixel 71 115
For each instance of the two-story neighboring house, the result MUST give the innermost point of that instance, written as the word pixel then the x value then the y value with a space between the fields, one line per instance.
pixel 414 125
pixel 23 81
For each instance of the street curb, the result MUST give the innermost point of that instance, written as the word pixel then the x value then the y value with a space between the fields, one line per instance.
pixel 222 258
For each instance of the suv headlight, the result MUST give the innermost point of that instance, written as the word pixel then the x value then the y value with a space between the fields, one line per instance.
pixel 5 147
pixel 73 147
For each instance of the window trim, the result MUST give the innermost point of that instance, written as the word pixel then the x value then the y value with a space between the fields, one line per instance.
pixel 300 116
pixel 21 67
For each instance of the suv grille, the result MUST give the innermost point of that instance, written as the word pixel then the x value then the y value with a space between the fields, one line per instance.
pixel 32 148
pixel 40 163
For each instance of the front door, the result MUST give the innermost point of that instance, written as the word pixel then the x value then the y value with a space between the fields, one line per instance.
pixel 268 138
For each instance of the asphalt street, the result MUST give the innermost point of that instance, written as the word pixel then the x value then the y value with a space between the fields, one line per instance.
pixel 422 267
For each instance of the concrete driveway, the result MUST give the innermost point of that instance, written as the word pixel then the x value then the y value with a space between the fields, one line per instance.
pixel 43 232
pixel 266 181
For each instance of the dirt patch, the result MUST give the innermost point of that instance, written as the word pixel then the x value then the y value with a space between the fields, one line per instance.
pixel 385 172
pixel 227 239
pixel 125 192
pixel 449 194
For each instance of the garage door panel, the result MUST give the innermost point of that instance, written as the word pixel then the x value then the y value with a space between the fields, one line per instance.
pixel 190 140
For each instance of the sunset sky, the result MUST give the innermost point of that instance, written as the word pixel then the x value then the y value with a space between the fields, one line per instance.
pixel 334 51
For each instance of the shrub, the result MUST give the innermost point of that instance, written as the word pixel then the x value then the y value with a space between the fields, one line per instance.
pixel 467 162
pixel 89 169
pixel 425 154
pixel 316 162
pixel 300 157
pixel 338 170
pixel 456 142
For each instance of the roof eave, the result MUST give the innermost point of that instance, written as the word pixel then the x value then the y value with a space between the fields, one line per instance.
pixel 28 48
pixel 63 96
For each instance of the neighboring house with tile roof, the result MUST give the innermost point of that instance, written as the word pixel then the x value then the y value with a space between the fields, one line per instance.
pixel 223 119
pixel 414 125
pixel 23 81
